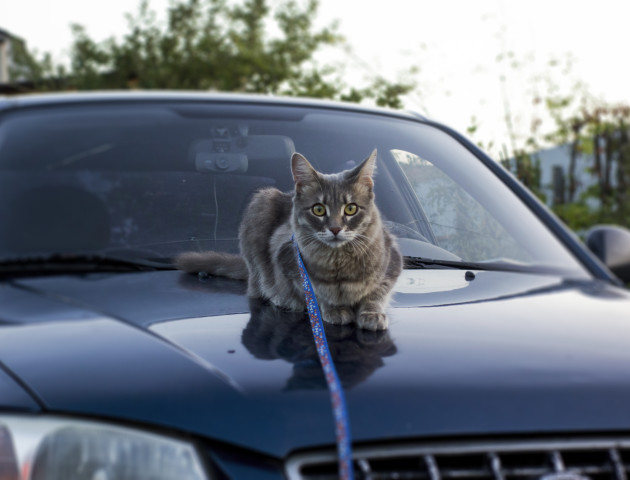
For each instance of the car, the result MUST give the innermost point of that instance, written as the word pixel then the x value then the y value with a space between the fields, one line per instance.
pixel 507 354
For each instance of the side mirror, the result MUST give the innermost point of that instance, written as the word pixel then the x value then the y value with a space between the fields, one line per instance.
pixel 611 245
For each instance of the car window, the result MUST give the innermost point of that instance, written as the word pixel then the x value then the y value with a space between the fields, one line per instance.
pixel 460 223
pixel 150 180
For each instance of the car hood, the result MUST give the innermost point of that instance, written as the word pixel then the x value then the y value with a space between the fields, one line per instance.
pixel 483 354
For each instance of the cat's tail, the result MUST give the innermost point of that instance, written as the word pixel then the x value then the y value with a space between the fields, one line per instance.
pixel 219 264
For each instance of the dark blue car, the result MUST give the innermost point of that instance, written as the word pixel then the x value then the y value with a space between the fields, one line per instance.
pixel 507 355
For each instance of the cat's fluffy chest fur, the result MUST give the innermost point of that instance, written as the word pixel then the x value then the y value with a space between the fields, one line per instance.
pixel 352 260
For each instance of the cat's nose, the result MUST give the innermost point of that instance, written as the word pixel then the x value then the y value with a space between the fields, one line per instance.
pixel 335 230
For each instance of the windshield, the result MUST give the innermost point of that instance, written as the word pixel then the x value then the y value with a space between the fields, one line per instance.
pixel 146 181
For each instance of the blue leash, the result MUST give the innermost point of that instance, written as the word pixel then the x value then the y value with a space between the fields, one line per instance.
pixel 337 398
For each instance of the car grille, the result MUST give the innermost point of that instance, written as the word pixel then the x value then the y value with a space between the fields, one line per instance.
pixel 593 459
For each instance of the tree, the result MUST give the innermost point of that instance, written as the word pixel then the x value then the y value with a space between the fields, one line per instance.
pixel 594 132
pixel 213 44
pixel 598 133
pixel 27 69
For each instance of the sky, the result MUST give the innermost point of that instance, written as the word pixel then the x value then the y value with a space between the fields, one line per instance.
pixel 455 45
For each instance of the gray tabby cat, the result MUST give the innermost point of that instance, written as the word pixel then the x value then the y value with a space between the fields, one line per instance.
pixel 352 260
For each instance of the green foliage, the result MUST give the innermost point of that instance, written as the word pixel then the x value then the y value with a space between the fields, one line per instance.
pixel 526 167
pixel 40 73
pixel 226 46
pixel 577 215
pixel 203 45
pixel 600 133
pixel 24 64
pixel 595 132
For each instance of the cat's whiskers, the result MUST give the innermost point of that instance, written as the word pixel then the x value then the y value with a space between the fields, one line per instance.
pixel 308 239
pixel 361 238
pixel 359 244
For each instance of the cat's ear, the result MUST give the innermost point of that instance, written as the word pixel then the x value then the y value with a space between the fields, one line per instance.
pixel 303 172
pixel 363 173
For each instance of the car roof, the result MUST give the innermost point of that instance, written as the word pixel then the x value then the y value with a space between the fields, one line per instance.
pixel 44 99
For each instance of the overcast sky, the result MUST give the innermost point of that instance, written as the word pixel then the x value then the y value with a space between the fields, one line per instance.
pixel 453 43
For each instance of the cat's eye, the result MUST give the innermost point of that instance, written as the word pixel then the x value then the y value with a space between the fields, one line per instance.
pixel 319 210
pixel 350 209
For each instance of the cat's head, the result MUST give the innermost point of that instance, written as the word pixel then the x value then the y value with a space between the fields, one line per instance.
pixel 333 209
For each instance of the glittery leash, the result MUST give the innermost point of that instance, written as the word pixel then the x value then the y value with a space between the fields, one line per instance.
pixel 337 398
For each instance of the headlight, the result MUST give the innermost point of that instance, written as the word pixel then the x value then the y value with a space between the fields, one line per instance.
pixel 42 448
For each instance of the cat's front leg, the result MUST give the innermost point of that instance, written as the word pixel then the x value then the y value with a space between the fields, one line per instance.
pixel 337 315
pixel 371 311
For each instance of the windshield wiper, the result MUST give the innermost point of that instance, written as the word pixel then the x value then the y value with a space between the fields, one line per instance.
pixel 71 262
pixel 504 265
pixel 433 263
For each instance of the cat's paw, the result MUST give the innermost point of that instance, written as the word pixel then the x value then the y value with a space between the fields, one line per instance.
pixel 372 321
pixel 338 315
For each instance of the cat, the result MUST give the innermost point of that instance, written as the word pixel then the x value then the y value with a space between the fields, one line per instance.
pixel 352 260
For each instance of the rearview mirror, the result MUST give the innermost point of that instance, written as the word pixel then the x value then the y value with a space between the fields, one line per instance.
pixel 233 154
pixel 611 244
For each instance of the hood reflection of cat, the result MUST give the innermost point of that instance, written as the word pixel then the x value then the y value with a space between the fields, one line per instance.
pixel 273 333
